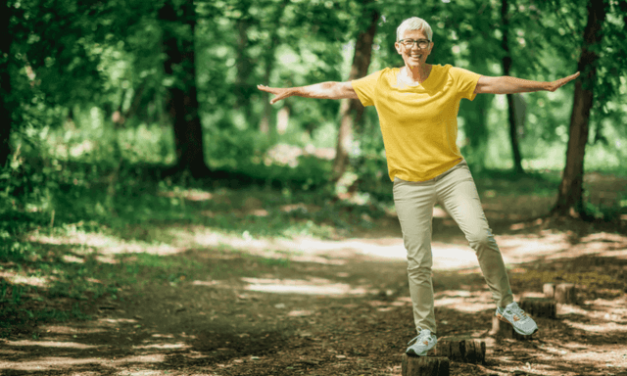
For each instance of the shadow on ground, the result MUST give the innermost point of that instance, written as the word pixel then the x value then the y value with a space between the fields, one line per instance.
pixel 231 312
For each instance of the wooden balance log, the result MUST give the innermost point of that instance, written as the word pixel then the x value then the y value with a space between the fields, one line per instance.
pixel 538 307
pixel 425 366
pixel 463 349
pixel 564 293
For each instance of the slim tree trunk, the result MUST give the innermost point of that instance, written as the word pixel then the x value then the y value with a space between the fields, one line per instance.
pixel 183 102
pixel 570 198
pixel 6 113
pixel 507 64
pixel 269 59
pixel 243 63
pixel 351 110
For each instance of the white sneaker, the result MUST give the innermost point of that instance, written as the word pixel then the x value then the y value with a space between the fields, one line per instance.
pixel 425 341
pixel 516 317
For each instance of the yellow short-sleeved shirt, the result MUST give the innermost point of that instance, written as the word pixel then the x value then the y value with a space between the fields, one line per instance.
pixel 418 123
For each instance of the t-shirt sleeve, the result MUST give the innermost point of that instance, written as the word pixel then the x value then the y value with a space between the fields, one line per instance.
pixel 466 82
pixel 365 88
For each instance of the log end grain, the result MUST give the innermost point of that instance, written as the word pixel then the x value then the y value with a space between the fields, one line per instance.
pixel 549 290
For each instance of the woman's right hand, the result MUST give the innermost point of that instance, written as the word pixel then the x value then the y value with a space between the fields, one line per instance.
pixel 281 93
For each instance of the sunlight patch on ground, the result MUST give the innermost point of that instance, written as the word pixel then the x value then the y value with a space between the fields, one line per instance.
pixel 73 345
pixel 19 279
pixel 599 309
pixel 612 355
pixel 142 372
pixel 307 287
pixel 550 245
pixel 465 301
pixel 56 329
pixel 188 194
pixel 163 346
pixel 117 321
pixel 299 313
pixel 518 249
pixel 54 363
pixel 611 327
pixel 105 244
pixel 309 249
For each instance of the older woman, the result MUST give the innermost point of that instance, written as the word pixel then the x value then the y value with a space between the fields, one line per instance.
pixel 417 107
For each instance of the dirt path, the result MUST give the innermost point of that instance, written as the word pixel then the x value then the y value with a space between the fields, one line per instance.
pixel 341 307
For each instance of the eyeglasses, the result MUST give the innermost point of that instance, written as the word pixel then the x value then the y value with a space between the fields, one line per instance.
pixel 409 43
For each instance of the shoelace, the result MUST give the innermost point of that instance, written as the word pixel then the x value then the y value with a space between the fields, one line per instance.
pixel 422 334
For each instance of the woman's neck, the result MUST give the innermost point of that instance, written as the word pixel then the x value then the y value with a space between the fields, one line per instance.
pixel 417 74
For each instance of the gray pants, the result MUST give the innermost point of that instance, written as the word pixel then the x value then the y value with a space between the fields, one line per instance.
pixel 455 190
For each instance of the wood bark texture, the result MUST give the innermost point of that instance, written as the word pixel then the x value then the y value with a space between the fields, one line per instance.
pixel 570 195
pixel 351 110
pixel 183 102
pixel 6 116
pixel 566 293
pixel 425 366
pixel 539 307
pixel 461 349
pixel 511 114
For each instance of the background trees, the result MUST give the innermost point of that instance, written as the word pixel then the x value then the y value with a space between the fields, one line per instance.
pixel 172 83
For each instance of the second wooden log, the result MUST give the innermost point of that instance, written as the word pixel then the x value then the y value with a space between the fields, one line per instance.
pixel 566 293
pixel 539 307
pixel 463 349
pixel 425 366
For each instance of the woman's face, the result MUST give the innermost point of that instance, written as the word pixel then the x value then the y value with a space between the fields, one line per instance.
pixel 413 56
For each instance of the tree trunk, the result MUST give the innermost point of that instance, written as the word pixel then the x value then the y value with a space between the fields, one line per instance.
pixel 351 110
pixel 243 63
pixel 6 115
pixel 269 59
pixel 570 198
pixel 182 102
pixel 507 64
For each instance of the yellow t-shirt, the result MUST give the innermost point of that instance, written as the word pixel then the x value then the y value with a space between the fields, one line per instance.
pixel 418 123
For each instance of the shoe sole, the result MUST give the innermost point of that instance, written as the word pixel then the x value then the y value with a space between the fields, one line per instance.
pixel 502 318
pixel 412 352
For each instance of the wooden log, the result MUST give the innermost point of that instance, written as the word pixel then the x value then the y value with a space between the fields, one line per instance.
pixel 463 349
pixel 539 307
pixel 425 366
pixel 504 330
pixel 566 293
pixel 549 290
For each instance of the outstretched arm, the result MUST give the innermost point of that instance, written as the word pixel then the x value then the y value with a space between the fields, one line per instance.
pixel 324 90
pixel 511 85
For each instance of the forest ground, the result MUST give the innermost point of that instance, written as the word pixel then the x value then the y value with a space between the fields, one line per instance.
pixel 340 306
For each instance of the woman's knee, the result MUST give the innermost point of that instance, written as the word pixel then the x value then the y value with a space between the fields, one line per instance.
pixel 419 271
pixel 481 238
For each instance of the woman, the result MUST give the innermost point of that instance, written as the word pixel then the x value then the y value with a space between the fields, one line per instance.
pixel 417 107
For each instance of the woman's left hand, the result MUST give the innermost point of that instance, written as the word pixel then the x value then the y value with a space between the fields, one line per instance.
pixel 552 86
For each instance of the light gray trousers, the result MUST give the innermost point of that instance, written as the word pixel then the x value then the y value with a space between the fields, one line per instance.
pixel 455 190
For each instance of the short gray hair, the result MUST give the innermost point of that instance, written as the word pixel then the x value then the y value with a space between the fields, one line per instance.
pixel 414 23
